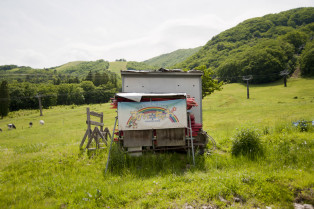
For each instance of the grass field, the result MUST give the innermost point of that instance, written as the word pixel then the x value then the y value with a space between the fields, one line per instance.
pixel 69 64
pixel 116 67
pixel 42 166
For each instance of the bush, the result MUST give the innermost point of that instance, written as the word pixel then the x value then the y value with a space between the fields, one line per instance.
pixel 247 143
pixel 303 126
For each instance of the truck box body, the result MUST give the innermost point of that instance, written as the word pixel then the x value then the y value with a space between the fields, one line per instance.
pixel 166 82
pixel 154 108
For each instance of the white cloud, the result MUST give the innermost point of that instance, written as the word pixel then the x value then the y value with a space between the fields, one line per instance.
pixel 49 33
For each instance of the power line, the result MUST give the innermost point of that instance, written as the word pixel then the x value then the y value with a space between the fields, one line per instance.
pixel 57 95
pixel 240 77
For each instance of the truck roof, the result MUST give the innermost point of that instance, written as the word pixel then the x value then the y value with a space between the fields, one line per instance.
pixel 138 96
pixel 162 71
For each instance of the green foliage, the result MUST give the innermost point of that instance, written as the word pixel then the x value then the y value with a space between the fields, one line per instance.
pixel 170 59
pixel 209 85
pixel 81 69
pixel 261 46
pixel 132 65
pixel 60 87
pixel 147 165
pixel 90 76
pixel 247 143
pixel 265 60
pixel 23 95
pixel 305 126
pixel 42 167
pixel 117 66
pixel 7 67
pixel 290 148
pixel 307 60
pixel 71 72
pixel 296 38
pixel 29 148
pixel 49 97
pixel 4 99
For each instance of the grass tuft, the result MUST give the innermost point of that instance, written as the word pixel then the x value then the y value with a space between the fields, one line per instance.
pixel 247 142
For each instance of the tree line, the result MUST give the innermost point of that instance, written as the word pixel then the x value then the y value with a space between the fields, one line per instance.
pixel 94 88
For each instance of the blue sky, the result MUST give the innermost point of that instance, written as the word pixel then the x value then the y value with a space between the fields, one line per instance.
pixel 47 33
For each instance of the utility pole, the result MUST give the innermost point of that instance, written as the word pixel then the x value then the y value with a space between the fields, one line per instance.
pixel 247 78
pixel 40 107
pixel 284 73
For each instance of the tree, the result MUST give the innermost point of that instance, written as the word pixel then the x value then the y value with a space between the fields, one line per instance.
pixel 297 39
pixel 209 85
pixel 307 60
pixel 4 99
pixel 89 91
pixel 98 79
pixel 90 76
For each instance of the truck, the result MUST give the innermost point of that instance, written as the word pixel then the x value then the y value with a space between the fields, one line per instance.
pixel 160 110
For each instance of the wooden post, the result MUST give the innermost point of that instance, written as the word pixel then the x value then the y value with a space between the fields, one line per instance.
pixel 191 137
pixel 40 107
pixel 102 121
pixel 88 123
pixel 112 136
pixel 247 89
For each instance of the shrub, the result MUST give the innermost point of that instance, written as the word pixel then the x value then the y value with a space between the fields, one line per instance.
pixel 303 126
pixel 247 143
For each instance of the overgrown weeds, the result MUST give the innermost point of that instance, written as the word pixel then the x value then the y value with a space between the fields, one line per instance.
pixel 151 164
pixel 247 143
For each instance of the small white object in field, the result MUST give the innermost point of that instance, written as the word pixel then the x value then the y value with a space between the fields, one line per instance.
pixel 42 122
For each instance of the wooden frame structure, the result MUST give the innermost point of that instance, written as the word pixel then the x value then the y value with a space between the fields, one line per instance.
pixel 97 133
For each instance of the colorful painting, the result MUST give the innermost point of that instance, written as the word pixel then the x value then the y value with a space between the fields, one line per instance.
pixel 152 115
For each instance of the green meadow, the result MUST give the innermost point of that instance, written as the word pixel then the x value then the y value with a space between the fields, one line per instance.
pixel 117 66
pixel 42 166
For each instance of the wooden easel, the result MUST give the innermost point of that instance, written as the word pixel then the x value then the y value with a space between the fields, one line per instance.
pixel 97 133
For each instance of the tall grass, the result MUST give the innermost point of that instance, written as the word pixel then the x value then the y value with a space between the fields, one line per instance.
pixel 42 166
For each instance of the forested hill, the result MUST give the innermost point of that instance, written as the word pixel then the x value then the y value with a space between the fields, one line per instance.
pixel 172 58
pixel 79 82
pixel 163 61
pixel 78 69
pixel 261 46
pixel 82 68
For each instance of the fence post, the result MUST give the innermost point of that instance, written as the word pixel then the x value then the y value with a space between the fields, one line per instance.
pixel 88 123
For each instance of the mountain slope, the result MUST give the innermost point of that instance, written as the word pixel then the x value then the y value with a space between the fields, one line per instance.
pixel 82 68
pixel 271 42
pixel 170 59
pixel 117 66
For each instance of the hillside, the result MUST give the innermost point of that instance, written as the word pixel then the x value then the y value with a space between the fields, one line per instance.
pixel 172 58
pixel 117 66
pixel 42 167
pixel 76 68
pixel 68 65
pixel 82 68
pixel 261 46
pixel 162 61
